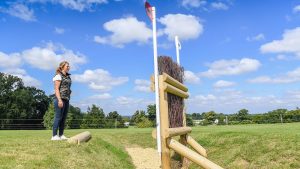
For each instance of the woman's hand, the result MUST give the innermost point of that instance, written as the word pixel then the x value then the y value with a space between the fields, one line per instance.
pixel 60 104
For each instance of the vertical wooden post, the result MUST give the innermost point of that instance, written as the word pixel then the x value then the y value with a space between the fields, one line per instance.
pixel 164 124
pixel 184 161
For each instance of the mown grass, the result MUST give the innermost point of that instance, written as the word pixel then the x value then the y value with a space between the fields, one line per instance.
pixel 241 146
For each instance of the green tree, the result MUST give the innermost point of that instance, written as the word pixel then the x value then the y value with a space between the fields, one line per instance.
pixel 189 121
pixel 74 118
pixel 144 123
pixel 26 105
pixel 196 116
pixel 113 119
pixel 210 116
pixel 242 115
pixel 151 113
pixel 137 116
pixel 49 117
pixel 95 118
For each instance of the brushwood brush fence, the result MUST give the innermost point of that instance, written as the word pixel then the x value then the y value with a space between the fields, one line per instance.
pixel 172 93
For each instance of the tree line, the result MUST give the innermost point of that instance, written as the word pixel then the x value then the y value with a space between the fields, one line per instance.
pixel 23 107
pixel 244 117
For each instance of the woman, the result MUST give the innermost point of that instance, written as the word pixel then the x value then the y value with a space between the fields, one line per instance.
pixel 62 86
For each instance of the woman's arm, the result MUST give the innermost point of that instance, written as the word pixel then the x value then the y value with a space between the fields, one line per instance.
pixel 57 93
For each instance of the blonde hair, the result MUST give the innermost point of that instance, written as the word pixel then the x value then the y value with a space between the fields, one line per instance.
pixel 61 66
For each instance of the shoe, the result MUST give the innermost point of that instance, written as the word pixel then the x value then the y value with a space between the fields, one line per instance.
pixel 55 138
pixel 62 137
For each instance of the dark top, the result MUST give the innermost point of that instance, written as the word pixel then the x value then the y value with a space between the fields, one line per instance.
pixel 65 86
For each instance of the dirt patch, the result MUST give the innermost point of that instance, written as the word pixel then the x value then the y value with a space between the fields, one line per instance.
pixel 147 158
pixel 241 163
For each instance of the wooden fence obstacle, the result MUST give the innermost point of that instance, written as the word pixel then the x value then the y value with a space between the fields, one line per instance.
pixel 167 84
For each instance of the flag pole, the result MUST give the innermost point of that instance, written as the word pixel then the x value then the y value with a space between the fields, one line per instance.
pixel 177 49
pixel 158 138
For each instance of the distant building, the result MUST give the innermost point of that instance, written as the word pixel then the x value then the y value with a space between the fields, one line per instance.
pixel 197 122
pixel 126 124
pixel 216 121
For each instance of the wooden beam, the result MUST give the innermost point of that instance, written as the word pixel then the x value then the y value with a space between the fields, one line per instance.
pixel 81 137
pixel 171 132
pixel 164 124
pixel 176 91
pixel 154 133
pixel 167 78
pixel 192 155
pixel 184 161
pixel 196 146
pixel 152 83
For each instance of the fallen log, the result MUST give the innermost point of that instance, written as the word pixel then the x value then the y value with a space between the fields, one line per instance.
pixel 80 138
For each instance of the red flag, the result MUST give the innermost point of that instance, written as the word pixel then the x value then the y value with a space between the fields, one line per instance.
pixel 148 8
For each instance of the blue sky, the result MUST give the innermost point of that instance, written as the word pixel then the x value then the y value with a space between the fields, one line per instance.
pixel 236 54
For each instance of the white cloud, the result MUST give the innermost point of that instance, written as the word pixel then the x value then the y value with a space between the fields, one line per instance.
pixel 99 79
pixel 79 5
pixel 20 11
pixel 142 85
pixel 10 64
pixel 133 104
pixel 171 22
pixel 59 30
pixel 296 9
pixel 49 57
pixel 126 100
pixel 191 77
pixel 290 43
pixel 223 84
pixel 103 96
pixel 258 37
pixel 125 105
pixel 219 6
pixel 125 30
pixel 21 73
pixel 289 77
pixel 231 101
pixel 10 60
pixel 193 3
pixel 282 57
pixel 231 67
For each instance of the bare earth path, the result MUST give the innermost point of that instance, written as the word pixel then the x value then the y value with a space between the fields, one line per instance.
pixel 144 158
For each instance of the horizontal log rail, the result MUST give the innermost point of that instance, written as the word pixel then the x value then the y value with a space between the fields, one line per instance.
pixel 167 78
pixel 176 91
pixel 171 132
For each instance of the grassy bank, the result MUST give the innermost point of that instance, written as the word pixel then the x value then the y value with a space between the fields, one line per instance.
pixel 240 146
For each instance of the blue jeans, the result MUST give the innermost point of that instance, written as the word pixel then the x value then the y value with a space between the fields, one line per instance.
pixel 60 117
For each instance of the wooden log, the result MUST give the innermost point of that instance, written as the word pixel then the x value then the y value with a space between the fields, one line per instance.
pixel 168 79
pixel 81 137
pixel 164 124
pixel 176 91
pixel 171 132
pixel 192 155
pixel 152 83
pixel 153 133
pixel 184 161
pixel 196 146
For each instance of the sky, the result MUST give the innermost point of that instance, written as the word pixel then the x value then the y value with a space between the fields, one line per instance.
pixel 236 54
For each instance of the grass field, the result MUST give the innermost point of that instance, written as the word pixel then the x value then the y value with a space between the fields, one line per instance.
pixel 240 146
